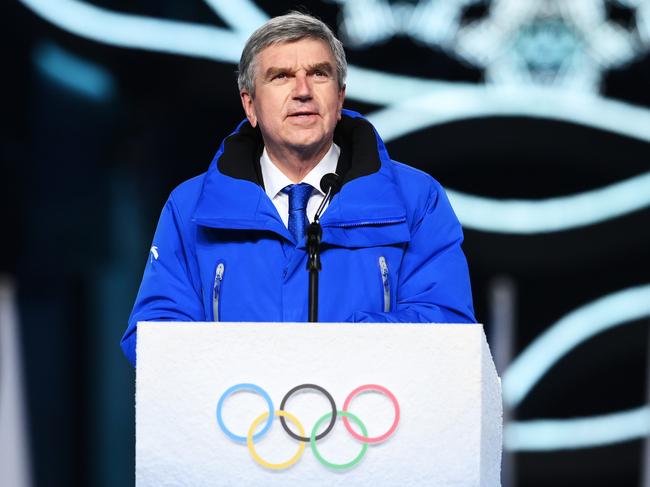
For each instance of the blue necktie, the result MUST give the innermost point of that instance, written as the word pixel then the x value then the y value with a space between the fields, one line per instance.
pixel 298 197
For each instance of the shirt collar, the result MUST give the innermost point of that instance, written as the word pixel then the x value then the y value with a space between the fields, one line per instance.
pixel 275 180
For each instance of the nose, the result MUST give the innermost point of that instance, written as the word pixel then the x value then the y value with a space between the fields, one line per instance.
pixel 302 89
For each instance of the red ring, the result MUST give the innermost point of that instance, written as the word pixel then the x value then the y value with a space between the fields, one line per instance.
pixel 371 387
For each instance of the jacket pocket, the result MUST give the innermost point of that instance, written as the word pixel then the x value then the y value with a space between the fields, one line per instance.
pixel 385 283
pixel 216 291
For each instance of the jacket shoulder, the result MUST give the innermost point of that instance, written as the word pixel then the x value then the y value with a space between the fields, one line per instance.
pixel 413 175
pixel 185 196
pixel 417 187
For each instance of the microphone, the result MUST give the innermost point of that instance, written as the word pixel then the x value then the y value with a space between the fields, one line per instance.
pixel 331 181
pixel 331 184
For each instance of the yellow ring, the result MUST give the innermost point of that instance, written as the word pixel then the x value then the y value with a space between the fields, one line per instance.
pixel 260 460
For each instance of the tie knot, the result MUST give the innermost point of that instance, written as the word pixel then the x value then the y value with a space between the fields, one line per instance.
pixel 298 196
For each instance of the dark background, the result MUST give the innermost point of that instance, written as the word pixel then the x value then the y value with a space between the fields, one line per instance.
pixel 84 179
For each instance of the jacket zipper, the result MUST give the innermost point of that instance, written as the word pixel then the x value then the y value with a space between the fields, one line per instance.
pixel 365 223
pixel 385 282
pixel 216 291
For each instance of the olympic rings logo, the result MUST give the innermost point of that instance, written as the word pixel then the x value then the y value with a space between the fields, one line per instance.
pixel 329 417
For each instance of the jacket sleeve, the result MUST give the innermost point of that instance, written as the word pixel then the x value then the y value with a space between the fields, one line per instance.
pixel 433 283
pixel 169 291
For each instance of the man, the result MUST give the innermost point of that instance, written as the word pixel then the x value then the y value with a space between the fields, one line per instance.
pixel 230 243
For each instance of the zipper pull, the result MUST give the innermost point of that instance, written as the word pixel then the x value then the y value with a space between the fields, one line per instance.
pixel 216 290
pixel 385 282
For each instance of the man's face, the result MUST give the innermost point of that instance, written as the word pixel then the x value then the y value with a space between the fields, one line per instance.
pixel 297 100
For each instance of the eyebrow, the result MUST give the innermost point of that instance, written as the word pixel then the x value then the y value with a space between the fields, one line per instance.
pixel 325 66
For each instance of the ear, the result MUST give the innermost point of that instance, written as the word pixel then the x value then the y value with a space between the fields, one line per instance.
pixel 249 107
pixel 341 100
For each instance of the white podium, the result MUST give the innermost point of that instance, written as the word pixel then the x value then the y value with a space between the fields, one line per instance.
pixel 362 404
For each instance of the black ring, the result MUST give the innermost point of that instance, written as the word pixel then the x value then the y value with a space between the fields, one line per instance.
pixel 329 398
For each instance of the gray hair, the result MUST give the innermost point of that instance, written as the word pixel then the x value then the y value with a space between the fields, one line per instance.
pixel 291 27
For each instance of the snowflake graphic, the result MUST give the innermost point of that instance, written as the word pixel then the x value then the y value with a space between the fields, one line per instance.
pixel 558 43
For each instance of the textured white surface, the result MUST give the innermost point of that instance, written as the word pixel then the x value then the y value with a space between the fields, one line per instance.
pixel 442 375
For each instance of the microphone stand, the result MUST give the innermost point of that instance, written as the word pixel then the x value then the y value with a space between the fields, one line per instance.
pixel 314 235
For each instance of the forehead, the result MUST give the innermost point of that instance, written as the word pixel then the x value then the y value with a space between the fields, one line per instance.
pixel 295 54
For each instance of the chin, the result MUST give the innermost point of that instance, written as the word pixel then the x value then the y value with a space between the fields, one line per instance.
pixel 307 143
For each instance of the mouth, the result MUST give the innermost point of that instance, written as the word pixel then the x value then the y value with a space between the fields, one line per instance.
pixel 302 114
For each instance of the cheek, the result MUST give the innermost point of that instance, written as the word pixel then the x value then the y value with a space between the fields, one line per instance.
pixel 269 107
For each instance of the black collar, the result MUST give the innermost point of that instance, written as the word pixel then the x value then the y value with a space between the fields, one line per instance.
pixel 355 136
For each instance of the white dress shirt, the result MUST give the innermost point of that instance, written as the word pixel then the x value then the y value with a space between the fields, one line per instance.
pixel 275 181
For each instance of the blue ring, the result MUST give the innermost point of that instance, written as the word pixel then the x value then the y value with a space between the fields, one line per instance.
pixel 245 387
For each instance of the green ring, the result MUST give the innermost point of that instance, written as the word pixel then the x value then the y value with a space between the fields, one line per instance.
pixel 338 466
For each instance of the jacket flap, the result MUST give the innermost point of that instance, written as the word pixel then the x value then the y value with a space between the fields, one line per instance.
pixel 367 235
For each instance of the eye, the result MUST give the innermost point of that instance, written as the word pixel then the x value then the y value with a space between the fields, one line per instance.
pixel 320 73
pixel 280 76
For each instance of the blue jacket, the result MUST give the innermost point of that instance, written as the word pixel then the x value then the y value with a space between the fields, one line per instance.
pixel 390 250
